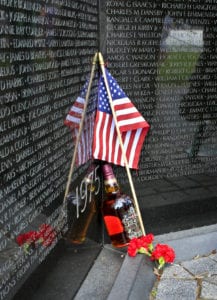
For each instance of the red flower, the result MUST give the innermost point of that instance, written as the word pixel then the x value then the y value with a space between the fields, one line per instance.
pixel 28 237
pixel 163 251
pixel 32 236
pixel 21 239
pixel 133 247
pixel 137 244
pixel 47 234
pixel 146 240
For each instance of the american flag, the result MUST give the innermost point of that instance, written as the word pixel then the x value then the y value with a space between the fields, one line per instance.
pixel 132 125
pixel 73 120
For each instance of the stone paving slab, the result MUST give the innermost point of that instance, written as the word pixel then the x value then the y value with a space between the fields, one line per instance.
pixel 201 266
pixel 209 290
pixel 195 279
pixel 174 289
pixel 214 257
pixel 175 271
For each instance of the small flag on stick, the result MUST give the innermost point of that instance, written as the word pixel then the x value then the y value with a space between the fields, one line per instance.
pixel 132 125
pixel 73 119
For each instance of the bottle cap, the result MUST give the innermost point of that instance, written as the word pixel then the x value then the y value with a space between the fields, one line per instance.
pixel 107 172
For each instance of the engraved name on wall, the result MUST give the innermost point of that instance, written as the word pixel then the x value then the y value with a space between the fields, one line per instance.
pixel 164 56
pixel 46 49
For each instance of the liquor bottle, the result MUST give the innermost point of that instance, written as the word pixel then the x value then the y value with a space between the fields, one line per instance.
pixel 118 211
pixel 77 233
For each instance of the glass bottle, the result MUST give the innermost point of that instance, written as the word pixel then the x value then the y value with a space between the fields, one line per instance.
pixel 118 211
pixel 77 234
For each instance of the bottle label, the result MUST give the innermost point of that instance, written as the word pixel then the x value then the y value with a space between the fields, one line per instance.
pixel 113 225
pixel 131 226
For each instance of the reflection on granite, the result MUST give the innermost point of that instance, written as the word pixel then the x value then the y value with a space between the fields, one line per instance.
pixel 178 203
pixel 61 275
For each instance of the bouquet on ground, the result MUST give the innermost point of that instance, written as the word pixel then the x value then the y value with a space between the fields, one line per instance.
pixel 46 235
pixel 161 253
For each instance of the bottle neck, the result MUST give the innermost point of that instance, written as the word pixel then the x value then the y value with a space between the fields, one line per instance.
pixel 111 186
pixel 110 182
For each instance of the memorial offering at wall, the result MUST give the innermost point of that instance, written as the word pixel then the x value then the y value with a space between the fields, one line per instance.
pixel 46 48
pixel 164 56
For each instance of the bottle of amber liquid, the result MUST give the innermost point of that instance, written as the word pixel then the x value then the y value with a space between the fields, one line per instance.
pixel 118 212
pixel 77 234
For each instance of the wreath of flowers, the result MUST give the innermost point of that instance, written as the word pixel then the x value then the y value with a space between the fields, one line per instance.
pixel 161 253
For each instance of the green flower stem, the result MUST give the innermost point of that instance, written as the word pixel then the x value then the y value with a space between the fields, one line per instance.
pixel 144 251
pixel 26 247
pixel 150 247
pixel 161 262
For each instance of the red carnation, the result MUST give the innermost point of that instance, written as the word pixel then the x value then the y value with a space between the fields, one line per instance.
pixel 47 234
pixel 146 240
pixel 32 236
pixel 133 247
pixel 140 244
pixel 21 239
pixel 163 251
pixel 28 237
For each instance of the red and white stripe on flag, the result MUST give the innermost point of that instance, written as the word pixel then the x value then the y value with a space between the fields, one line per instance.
pixel 73 119
pixel 132 125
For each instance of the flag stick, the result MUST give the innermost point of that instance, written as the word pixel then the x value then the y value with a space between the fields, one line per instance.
pixel 80 129
pixel 101 62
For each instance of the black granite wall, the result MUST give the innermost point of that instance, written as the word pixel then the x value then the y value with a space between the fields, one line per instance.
pixel 163 54
pixel 46 50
